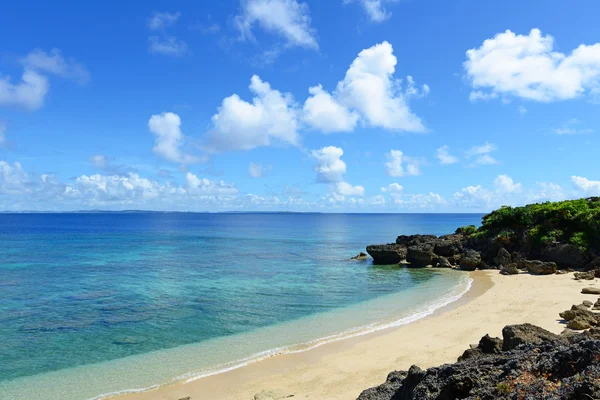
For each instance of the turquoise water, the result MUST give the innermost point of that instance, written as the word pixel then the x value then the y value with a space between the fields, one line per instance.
pixel 101 303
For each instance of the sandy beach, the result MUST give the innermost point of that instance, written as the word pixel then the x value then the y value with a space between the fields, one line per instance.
pixel 341 370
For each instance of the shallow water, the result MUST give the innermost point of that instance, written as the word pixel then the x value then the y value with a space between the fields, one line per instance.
pixel 99 303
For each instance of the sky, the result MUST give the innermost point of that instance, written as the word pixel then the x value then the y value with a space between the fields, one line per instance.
pixel 298 105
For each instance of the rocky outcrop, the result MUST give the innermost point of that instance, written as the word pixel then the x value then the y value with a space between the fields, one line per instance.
pixel 537 267
pixel 540 366
pixel 470 260
pixel 589 275
pixel 565 255
pixel 387 253
pixel 509 269
pixel 420 255
pixel 590 290
pixel 503 257
pixel 360 257
pixel 580 318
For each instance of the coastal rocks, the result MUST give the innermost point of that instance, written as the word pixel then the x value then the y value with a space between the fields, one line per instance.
pixel 590 290
pixel 487 345
pixel 420 255
pixel 449 245
pixel 578 324
pixel 561 367
pixel 360 257
pixel 441 262
pixel 516 335
pixel 579 317
pixel 386 254
pixel 587 303
pixel 509 269
pixel 503 257
pixel 537 267
pixel 470 260
pixel 388 389
pixel 589 276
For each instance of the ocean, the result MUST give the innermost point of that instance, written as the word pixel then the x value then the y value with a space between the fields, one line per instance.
pixel 99 303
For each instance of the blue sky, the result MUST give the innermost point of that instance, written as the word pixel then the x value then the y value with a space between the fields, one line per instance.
pixel 359 106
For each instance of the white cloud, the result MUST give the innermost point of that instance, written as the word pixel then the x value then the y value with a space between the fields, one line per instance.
pixel 168 45
pixel 370 89
pixel 505 184
pixel 256 170
pixel 99 161
pixel 375 9
pixel 29 93
pixel 161 20
pixel 527 66
pixel 346 189
pixel 330 167
pixel 400 165
pixel 239 125
pixel 481 155
pixel 208 187
pixel 572 127
pixel 286 18
pixel 54 63
pixel 392 188
pixel 323 112
pixel 444 156
pixel 167 129
pixel 588 187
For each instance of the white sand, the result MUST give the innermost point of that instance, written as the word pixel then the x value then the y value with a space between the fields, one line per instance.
pixel 343 369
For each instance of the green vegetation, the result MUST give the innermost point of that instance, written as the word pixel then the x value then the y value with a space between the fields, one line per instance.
pixel 573 221
pixel 467 230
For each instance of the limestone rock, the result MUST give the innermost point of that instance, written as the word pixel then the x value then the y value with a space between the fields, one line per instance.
pixel 386 254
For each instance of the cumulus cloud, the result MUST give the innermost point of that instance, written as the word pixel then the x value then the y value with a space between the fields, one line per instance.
pixel 286 18
pixel 375 9
pixel 370 89
pixel 400 165
pixel 330 167
pixel 481 155
pixel 169 138
pixel 208 187
pixel 323 112
pixel 29 93
pixel 161 20
pixel 272 116
pixel 444 157
pixel 526 66
pixel 505 184
pixel 256 170
pixel 168 45
pixel 586 186
pixel 346 189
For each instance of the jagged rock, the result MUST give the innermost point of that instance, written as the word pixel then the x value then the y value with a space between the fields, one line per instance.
pixel 509 269
pixel 590 275
pixel 516 335
pixel 487 345
pixel 587 303
pixel 386 254
pixel 420 255
pixel 387 390
pixel 470 260
pixel 537 267
pixel 594 265
pixel 565 255
pixel 578 324
pixel 449 245
pixel 563 367
pixel 590 290
pixel 503 257
pixel 441 262
pixel 580 313
pixel 411 240
pixel 360 257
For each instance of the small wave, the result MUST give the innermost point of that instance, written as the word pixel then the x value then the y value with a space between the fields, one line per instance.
pixel 302 347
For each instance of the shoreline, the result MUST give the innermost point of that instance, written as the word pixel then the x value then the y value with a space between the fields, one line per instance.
pixel 342 369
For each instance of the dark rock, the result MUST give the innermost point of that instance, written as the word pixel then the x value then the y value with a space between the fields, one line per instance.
pixel 449 245
pixel 503 257
pixel 387 390
pixel 516 335
pixel 537 267
pixel 590 275
pixel 470 260
pixel 590 290
pixel 565 255
pixel 441 262
pixel 564 367
pixel 578 324
pixel 412 240
pixel 596 305
pixel 360 257
pixel 594 265
pixel 420 255
pixel 386 254
pixel 580 313
pixel 587 303
pixel 509 269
